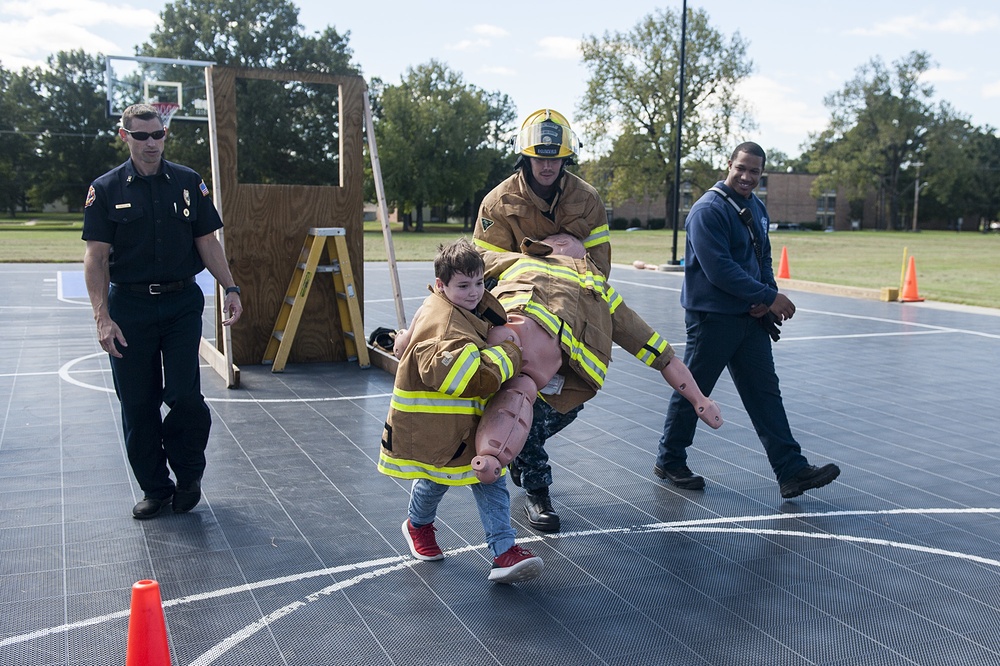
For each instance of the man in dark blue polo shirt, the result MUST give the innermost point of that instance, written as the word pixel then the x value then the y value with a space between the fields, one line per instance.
pixel 149 226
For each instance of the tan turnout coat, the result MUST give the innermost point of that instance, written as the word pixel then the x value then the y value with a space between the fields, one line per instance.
pixel 443 381
pixel 572 300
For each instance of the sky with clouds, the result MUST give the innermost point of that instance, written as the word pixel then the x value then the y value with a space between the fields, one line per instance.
pixel 802 51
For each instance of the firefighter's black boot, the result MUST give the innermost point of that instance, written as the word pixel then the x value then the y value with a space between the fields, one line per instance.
pixel 538 508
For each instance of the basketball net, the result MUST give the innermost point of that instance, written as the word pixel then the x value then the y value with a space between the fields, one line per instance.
pixel 166 110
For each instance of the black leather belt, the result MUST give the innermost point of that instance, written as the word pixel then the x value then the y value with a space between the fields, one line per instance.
pixel 156 288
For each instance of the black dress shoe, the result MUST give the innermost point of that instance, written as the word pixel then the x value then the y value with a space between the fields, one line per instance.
pixel 538 508
pixel 682 477
pixel 149 507
pixel 809 478
pixel 187 497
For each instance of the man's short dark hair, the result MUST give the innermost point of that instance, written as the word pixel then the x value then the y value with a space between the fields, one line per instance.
pixel 750 148
pixel 140 111
pixel 459 256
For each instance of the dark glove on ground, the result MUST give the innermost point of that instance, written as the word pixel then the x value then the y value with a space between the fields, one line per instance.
pixel 771 324
pixel 383 338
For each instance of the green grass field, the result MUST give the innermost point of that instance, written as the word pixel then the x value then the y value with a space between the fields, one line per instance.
pixel 957 268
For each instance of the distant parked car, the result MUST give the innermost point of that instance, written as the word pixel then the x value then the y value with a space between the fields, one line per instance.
pixel 784 226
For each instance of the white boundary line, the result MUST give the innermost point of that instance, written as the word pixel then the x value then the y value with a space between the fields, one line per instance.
pixel 64 374
pixel 382 566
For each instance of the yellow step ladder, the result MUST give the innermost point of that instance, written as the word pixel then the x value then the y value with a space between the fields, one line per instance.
pixel 335 241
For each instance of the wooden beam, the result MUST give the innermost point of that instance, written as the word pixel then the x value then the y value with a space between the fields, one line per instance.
pixel 215 358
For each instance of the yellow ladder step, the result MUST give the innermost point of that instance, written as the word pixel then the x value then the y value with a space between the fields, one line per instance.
pixel 334 240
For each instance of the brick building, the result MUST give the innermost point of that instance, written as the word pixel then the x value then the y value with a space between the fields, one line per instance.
pixel 788 201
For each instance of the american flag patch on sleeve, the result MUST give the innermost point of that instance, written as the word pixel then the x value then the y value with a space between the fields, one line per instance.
pixel 204 189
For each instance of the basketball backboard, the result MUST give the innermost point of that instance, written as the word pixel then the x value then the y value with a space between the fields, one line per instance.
pixel 134 79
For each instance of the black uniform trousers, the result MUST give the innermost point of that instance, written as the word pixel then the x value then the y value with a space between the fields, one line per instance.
pixel 161 366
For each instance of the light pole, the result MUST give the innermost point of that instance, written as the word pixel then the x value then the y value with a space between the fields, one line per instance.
pixel 680 123
pixel 916 194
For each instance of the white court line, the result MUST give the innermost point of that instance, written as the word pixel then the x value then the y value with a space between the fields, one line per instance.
pixel 47 308
pixel 940 329
pixel 393 300
pixel 390 564
pixel 64 374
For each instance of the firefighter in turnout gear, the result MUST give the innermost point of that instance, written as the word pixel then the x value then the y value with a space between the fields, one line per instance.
pixel 539 200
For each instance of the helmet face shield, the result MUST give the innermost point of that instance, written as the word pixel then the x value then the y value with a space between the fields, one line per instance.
pixel 547 135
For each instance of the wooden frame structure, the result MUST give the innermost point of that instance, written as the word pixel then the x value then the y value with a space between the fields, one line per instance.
pixel 265 224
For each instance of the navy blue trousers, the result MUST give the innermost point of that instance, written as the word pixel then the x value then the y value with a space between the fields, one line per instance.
pixel 533 461
pixel 738 343
pixel 161 366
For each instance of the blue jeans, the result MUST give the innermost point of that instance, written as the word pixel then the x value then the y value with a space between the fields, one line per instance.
pixel 737 342
pixel 492 500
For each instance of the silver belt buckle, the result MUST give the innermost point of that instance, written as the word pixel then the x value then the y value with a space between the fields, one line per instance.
pixel 154 290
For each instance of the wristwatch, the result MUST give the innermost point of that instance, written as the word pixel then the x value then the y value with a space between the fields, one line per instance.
pixel 232 290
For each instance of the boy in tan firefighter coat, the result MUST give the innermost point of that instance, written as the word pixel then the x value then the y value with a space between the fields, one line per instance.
pixel 445 376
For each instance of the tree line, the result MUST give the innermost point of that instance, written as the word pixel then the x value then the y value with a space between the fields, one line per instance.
pixel 445 143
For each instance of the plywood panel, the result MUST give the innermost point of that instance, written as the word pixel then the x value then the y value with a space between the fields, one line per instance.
pixel 266 225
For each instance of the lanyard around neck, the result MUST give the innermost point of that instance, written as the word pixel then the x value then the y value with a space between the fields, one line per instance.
pixel 746 217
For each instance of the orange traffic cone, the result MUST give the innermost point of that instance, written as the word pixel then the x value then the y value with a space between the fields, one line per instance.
pixel 910 293
pixel 783 265
pixel 147 630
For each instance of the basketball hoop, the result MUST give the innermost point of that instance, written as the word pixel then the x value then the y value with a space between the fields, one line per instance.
pixel 166 110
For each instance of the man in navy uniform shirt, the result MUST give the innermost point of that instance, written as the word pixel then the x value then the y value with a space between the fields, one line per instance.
pixel 149 226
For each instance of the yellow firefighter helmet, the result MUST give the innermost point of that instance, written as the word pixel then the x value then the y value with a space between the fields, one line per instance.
pixel 546 134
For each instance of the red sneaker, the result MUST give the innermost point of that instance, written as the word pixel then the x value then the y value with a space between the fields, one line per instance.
pixel 515 565
pixel 422 543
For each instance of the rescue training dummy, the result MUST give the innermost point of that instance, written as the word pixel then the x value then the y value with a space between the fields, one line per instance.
pixel 443 381
pixel 564 316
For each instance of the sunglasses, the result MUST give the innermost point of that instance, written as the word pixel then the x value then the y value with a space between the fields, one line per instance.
pixel 142 136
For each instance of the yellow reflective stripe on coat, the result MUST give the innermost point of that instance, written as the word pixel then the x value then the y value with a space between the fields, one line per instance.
pixel 461 475
pixel 463 369
pixel 501 360
pixel 488 246
pixel 515 300
pixel 613 298
pixel 591 281
pixel 598 235
pixel 655 346
pixel 563 332
pixel 432 402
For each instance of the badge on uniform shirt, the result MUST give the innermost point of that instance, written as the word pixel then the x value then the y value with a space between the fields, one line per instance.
pixel 91 196
pixel 186 212
pixel 204 189
pixel 485 223
pixel 124 205
pixel 187 198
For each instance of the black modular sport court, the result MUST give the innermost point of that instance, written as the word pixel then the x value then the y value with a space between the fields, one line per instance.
pixel 295 556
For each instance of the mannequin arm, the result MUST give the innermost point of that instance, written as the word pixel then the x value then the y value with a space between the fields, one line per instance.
pixel 679 377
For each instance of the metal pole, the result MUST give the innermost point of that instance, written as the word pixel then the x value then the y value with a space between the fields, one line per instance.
pixel 680 125
pixel 916 194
